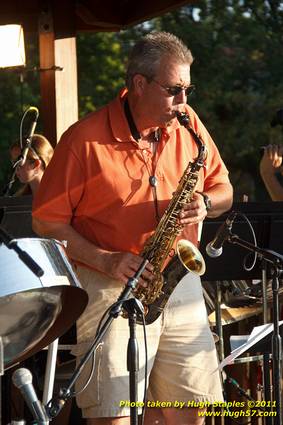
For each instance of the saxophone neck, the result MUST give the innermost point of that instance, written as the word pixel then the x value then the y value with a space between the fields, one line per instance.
pixel 184 120
pixel 202 153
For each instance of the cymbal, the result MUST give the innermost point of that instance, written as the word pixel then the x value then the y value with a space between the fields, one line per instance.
pixel 231 315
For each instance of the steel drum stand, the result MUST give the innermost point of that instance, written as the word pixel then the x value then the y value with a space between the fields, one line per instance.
pixel 55 405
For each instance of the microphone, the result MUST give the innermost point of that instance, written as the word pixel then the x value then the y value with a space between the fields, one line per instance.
pixel 277 119
pixel 23 156
pixel 214 248
pixel 22 379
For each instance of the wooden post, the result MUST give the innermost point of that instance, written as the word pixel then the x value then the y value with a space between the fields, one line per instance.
pixel 58 70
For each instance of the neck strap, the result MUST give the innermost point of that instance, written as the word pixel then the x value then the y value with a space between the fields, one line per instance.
pixel 156 135
pixel 133 128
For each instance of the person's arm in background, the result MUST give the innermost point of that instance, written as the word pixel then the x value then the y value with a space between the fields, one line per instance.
pixel 270 165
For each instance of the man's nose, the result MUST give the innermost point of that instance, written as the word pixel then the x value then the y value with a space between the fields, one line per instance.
pixel 181 97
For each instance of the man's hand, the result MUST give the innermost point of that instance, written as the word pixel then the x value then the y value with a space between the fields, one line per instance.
pixel 117 265
pixel 271 160
pixel 270 164
pixel 123 265
pixel 193 212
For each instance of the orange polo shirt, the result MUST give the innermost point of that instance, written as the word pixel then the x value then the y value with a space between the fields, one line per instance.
pixel 98 178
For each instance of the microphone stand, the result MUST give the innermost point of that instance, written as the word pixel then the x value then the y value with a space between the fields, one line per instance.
pixel 8 187
pixel 266 356
pixel 276 262
pixel 55 405
pixel 11 243
pixel 133 306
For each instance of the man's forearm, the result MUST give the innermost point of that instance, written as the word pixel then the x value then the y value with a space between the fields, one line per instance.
pixel 273 186
pixel 78 248
pixel 221 196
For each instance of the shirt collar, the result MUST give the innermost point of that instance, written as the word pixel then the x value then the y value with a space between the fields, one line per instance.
pixel 118 120
pixel 119 123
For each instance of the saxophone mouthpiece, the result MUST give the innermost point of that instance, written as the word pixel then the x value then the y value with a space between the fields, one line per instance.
pixel 183 118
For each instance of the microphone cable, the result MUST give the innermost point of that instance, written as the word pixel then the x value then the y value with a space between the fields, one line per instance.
pixel 29 109
pixel 245 266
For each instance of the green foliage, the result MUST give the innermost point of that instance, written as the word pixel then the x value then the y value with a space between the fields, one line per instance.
pixel 237 45
pixel 238 73
pixel 100 69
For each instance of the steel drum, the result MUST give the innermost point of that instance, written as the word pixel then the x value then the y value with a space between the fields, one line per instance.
pixel 35 311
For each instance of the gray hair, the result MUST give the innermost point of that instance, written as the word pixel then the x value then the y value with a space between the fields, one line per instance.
pixel 150 49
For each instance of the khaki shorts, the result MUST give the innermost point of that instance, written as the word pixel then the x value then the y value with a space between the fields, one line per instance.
pixel 182 359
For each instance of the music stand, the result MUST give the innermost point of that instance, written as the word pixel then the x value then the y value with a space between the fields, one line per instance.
pixel 15 215
pixel 259 341
pixel 275 260
pixel 267 221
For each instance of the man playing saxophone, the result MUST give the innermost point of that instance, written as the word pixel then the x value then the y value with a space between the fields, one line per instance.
pixel 119 167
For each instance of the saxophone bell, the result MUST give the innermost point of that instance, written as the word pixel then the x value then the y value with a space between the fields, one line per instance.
pixel 191 257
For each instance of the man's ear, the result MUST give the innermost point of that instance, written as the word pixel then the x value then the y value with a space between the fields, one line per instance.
pixel 139 82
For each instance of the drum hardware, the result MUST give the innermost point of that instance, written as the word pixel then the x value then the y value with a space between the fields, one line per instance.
pixel 275 261
pixel 234 300
pixel 241 390
pixel 268 220
pixel 240 293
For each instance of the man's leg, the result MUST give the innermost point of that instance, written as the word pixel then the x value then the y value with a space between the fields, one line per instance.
pixel 167 416
pixel 107 395
pixel 187 416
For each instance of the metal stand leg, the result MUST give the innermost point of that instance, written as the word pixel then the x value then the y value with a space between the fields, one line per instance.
pixel 218 321
pixel 0 400
pixel 1 374
pixel 266 358
pixel 276 350
pixel 264 293
pixel 50 371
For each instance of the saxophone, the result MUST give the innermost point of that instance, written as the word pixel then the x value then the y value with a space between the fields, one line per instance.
pixel 158 248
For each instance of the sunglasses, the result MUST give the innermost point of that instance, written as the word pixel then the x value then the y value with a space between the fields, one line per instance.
pixel 175 90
